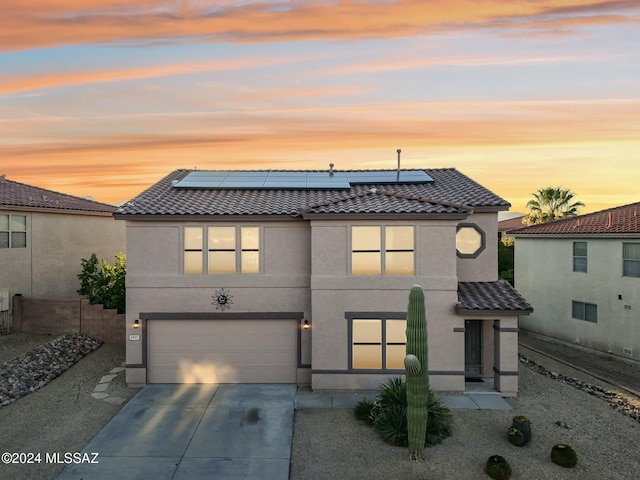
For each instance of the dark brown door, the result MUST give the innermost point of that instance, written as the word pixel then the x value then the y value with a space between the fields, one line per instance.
pixel 472 349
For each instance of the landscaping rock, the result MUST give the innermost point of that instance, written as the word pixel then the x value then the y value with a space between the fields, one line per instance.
pixel 615 400
pixel 39 366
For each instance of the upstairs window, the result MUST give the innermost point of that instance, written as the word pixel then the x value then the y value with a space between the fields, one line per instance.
pixel 229 250
pixel 13 231
pixel 631 260
pixel 580 257
pixel 377 249
pixel 470 240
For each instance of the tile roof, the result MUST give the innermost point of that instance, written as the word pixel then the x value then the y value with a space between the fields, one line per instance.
pixel 478 298
pixel 450 192
pixel 510 224
pixel 17 196
pixel 617 220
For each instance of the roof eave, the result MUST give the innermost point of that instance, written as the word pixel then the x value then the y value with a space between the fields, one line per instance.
pixel 20 208
pixel 384 216
pixel 576 235
pixel 139 217
pixel 472 312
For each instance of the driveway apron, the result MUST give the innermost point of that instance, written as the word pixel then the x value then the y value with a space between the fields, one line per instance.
pixel 194 432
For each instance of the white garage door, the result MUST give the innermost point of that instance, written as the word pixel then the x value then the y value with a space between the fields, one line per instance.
pixel 221 351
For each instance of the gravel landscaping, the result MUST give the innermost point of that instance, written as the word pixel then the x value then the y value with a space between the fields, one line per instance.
pixel 39 366
pixel 61 416
pixel 332 444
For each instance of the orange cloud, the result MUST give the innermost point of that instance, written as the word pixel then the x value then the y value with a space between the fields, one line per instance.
pixel 25 82
pixel 37 24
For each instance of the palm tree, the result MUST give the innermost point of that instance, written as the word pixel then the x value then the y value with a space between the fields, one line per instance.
pixel 551 203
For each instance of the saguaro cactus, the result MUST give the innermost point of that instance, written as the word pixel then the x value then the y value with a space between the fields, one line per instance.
pixel 417 371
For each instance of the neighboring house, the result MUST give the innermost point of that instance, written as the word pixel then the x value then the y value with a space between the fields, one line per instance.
pixel 303 277
pixel 582 276
pixel 45 234
pixel 504 226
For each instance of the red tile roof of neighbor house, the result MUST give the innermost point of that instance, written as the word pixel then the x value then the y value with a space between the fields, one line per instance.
pixel 484 297
pixel 510 224
pixel 451 192
pixel 18 196
pixel 617 220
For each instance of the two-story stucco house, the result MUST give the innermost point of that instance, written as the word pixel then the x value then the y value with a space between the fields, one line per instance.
pixel 44 235
pixel 303 277
pixel 582 276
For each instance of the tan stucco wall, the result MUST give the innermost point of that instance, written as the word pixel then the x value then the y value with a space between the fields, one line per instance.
pixel 544 276
pixel 483 268
pixel 56 243
pixel 335 291
pixel 155 282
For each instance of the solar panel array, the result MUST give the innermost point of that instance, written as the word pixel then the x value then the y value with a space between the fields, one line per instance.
pixel 261 180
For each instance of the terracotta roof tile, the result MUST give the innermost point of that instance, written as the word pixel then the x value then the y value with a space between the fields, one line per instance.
pixel 498 296
pixel 510 224
pixel 450 192
pixel 617 220
pixel 19 195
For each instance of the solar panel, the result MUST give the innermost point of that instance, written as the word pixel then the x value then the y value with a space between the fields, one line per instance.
pixel 298 180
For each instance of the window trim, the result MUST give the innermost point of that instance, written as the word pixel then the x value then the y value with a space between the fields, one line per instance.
pixel 583 307
pixel 383 317
pixel 9 231
pixel 576 257
pixel 238 250
pixel 383 251
pixel 632 260
pixel 483 240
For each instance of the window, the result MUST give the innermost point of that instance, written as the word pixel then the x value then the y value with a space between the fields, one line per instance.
pixel 13 231
pixel 229 250
pixel 584 311
pixel 378 343
pixel 579 256
pixel 470 240
pixel 378 249
pixel 631 260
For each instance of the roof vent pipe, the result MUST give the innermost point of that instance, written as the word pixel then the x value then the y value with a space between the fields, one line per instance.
pixel 399 152
pixel 331 169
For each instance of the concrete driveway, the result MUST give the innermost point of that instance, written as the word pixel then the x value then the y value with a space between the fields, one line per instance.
pixel 185 432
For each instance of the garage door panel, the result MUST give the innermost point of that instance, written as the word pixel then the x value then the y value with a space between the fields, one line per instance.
pixel 222 351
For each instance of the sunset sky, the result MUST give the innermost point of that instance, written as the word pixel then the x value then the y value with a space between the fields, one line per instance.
pixel 105 97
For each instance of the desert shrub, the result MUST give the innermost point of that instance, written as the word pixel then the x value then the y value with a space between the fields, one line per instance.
pixel 103 283
pixel 363 411
pixel 389 415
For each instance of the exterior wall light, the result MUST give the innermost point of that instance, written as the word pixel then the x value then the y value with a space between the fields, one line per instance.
pixel 306 325
pixel 136 324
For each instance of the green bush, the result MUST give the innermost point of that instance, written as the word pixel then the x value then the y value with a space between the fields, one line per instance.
pixel 364 411
pixel 389 415
pixel 103 283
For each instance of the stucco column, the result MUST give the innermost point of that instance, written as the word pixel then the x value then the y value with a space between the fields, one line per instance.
pixel 505 333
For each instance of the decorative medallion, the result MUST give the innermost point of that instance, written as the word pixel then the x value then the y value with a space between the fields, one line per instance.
pixel 222 299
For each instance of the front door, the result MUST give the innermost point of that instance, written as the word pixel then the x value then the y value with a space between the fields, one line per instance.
pixel 472 349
